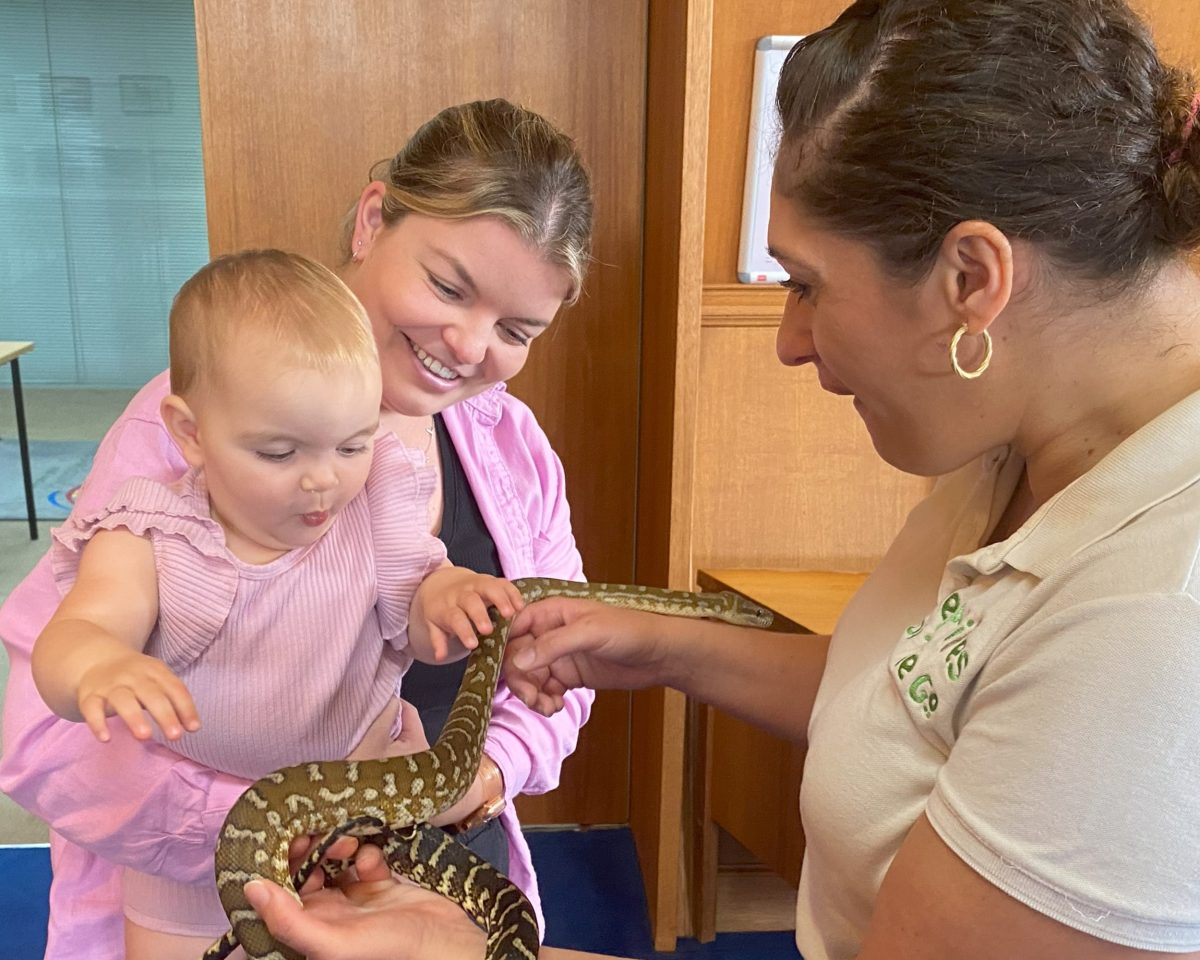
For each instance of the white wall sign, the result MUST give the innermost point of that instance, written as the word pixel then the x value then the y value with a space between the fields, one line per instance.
pixel 755 265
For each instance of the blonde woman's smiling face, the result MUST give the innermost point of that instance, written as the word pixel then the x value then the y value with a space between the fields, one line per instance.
pixel 454 306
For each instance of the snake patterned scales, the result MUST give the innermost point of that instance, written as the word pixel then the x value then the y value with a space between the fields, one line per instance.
pixel 389 802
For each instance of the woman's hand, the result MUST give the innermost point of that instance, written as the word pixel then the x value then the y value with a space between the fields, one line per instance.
pixel 558 644
pixel 368 917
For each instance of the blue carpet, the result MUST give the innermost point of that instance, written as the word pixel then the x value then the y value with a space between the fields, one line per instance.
pixel 26 880
pixel 58 467
pixel 591 892
pixel 593 900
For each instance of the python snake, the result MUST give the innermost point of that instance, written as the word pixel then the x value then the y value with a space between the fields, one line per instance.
pixel 390 802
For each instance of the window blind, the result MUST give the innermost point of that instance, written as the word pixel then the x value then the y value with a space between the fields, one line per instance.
pixel 101 183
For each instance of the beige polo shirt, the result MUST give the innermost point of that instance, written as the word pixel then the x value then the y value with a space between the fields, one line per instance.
pixel 1038 699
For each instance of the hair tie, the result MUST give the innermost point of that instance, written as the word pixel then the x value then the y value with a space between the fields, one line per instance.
pixel 1188 126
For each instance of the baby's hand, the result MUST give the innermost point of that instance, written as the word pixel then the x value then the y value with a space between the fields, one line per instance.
pixel 131 685
pixel 452 605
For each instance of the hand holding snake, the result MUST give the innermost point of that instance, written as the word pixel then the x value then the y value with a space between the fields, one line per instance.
pixel 374 916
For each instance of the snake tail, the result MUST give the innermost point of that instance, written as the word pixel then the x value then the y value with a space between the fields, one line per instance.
pixel 438 862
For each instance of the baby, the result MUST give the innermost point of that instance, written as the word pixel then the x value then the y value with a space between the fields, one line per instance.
pixel 267 603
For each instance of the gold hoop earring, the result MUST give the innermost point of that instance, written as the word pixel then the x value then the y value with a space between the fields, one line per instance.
pixel 983 364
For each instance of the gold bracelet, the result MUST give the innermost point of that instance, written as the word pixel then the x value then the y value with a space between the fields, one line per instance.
pixel 494 802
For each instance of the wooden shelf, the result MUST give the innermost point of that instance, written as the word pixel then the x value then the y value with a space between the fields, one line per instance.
pixel 742 305
pixel 811 599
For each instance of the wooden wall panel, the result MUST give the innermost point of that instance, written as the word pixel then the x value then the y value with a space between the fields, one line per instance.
pixel 300 97
pixel 1176 27
pixel 765 821
pixel 787 476
pixel 737 25
pixel 820 469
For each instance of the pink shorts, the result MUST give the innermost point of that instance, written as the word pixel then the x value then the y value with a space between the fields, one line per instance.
pixel 167 906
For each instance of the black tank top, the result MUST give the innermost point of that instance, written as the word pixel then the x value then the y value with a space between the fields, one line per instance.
pixel 431 689
pixel 468 544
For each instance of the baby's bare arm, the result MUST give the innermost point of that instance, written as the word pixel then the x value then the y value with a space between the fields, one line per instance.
pixel 89 663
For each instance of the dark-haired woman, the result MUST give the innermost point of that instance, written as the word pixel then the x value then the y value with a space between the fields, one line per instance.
pixel 986 211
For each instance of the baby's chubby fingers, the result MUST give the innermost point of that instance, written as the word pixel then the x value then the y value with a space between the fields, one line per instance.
pixel 94 711
pixel 502 595
pixel 172 709
pixel 181 700
pixel 449 633
pixel 474 610
pixel 439 640
pixel 125 704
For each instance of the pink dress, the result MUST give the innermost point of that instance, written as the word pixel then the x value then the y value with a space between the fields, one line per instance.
pixel 287 661
pixel 101 826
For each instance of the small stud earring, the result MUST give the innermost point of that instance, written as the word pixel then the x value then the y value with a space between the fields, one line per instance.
pixel 357 251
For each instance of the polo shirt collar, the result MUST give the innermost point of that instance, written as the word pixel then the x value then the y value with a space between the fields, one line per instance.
pixel 1150 466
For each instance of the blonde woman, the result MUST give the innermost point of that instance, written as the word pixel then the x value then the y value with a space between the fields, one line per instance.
pixel 463 251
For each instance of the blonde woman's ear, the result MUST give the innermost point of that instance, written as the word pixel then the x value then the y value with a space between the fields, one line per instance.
pixel 181 425
pixel 368 217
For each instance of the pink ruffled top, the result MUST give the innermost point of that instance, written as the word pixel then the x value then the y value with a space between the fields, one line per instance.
pixel 291 660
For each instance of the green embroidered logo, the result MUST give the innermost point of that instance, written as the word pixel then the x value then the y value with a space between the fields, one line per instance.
pixel 904 667
pixel 952 608
pixel 951 633
pixel 956 660
pixel 928 699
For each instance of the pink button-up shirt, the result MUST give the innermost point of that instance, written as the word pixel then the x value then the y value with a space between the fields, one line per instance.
pixel 140 805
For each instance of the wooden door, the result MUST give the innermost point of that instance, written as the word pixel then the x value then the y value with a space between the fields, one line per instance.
pixel 300 97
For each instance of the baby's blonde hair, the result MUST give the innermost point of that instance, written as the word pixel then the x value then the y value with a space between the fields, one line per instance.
pixel 265 299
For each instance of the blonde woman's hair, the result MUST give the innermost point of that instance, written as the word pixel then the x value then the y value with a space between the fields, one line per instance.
pixel 265 299
pixel 491 158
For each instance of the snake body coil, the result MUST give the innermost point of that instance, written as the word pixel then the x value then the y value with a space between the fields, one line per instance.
pixel 389 802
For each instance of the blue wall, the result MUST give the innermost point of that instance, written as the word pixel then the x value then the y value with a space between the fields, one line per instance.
pixel 101 183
